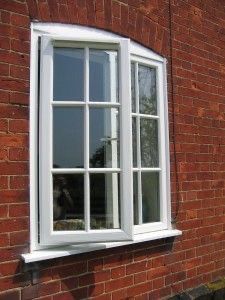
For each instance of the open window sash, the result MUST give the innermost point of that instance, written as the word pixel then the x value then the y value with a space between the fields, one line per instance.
pixel 49 235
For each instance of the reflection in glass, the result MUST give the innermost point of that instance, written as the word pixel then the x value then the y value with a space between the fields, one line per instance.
pixel 103 76
pixel 135 197
pixel 104 201
pixel 68 76
pixel 147 90
pixel 104 138
pixel 134 141
pixel 149 143
pixel 150 197
pixel 68 137
pixel 68 202
pixel 133 91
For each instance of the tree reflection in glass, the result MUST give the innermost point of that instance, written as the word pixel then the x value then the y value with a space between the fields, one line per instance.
pixel 147 90
pixel 149 143
pixel 104 138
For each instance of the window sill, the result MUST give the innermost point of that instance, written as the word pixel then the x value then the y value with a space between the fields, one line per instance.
pixel 51 253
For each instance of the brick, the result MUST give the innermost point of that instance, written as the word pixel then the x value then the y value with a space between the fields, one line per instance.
pixel 18 154
pixel 69 284
pixel 10 295
pixel 9 268
pixel 3 154
pixel 4 240
pixel 80 293
pixel 3 182
pixel 96 289
pixel 3 211
pixel 13 140
pixel 117 259
pixel 12 168
pixel 118 283
pixel 136 267
pixel 3 125
pixel 19 182
pixel 20 20
pixel 118 272
pixel 18 210
pixel 139 289
pixel 95 264
pixel 140 277
pixel 10 225
pixel 10 196
pixel 69 270
pixel 99 276
pixel 19 72
pixel 19 238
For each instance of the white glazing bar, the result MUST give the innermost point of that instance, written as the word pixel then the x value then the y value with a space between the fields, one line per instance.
pixel 104 170
pixel 104 104
pixel 138 146
pixel 145 116
pixel 89 170
pixel 67 103
pixel 86 141
pixel 80 103
pixel 68 171
pixel 147 169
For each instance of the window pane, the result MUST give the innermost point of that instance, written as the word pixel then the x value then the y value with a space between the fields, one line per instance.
pixel 104 138
pixel 68 137
pixel 104 197
pixel 68 77
pixel 147 90
pixel 135 195
pixel 149 143
pixel 103 76
pixel 68 202
pixel 133 91
pixel 134 141
pixel 150 197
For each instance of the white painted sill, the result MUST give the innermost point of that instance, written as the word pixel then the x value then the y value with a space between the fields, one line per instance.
pixel 51 253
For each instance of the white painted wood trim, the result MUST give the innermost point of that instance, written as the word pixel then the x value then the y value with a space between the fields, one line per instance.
pixel 63 251
pixel 75 32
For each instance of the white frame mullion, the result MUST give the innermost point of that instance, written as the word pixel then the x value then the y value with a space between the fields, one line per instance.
pixel 86 141
pixel 45 136
pixel 140 217
pixel 126 139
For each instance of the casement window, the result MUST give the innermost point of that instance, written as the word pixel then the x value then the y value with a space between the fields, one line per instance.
pixel 100 132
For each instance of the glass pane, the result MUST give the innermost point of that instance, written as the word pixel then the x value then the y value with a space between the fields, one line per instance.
pixel 133 87
pixel 150 197
pixel 68 76
pixel 149 143
pixel 147 90
pixel 104 138
pixel 68 202
pixel 135 196
pixel 103 76
pixel 134 141
pixel 105 201
pixel 68 137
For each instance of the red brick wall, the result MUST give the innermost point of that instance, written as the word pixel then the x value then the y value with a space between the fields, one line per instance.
pixel 191 34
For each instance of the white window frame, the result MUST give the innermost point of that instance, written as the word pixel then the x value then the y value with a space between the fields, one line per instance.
pixel 136 52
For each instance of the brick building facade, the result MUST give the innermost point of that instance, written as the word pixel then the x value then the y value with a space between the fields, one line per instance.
pixel 191 35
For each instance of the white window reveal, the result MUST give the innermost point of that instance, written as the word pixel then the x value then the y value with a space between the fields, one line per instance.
pixel 101 133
